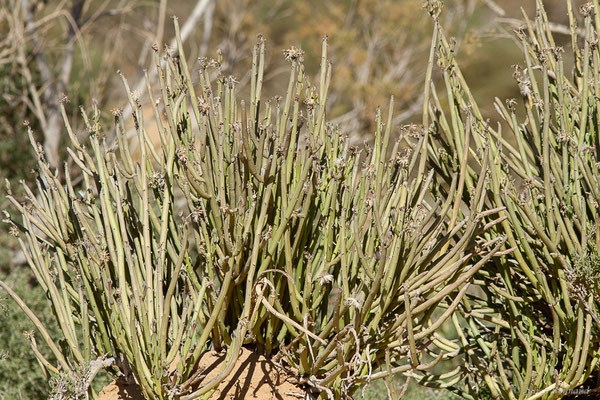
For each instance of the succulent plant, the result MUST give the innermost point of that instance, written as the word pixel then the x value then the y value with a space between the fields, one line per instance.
pixel 255 224
pixel 532 328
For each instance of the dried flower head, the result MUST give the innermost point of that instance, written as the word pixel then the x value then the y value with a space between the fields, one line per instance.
pixel 326 278
pixel 293 54
pixel 203 106
pixel 433 7
pixel 14 231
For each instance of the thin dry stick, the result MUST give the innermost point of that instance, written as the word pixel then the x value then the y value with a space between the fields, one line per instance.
pixel 554 27
pixel 55 86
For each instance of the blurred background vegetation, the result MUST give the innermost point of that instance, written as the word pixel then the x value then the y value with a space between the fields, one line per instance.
pixel 50 49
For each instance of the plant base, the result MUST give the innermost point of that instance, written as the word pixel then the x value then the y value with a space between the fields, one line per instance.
pixel 253 377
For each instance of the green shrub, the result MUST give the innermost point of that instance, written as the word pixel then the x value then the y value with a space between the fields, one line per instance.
pixel 532 329
pixel 255 224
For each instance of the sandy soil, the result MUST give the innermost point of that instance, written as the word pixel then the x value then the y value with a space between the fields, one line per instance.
pixel 119 390
pixel 253 377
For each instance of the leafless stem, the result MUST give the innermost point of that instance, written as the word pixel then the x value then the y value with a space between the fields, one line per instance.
pixel 202 6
